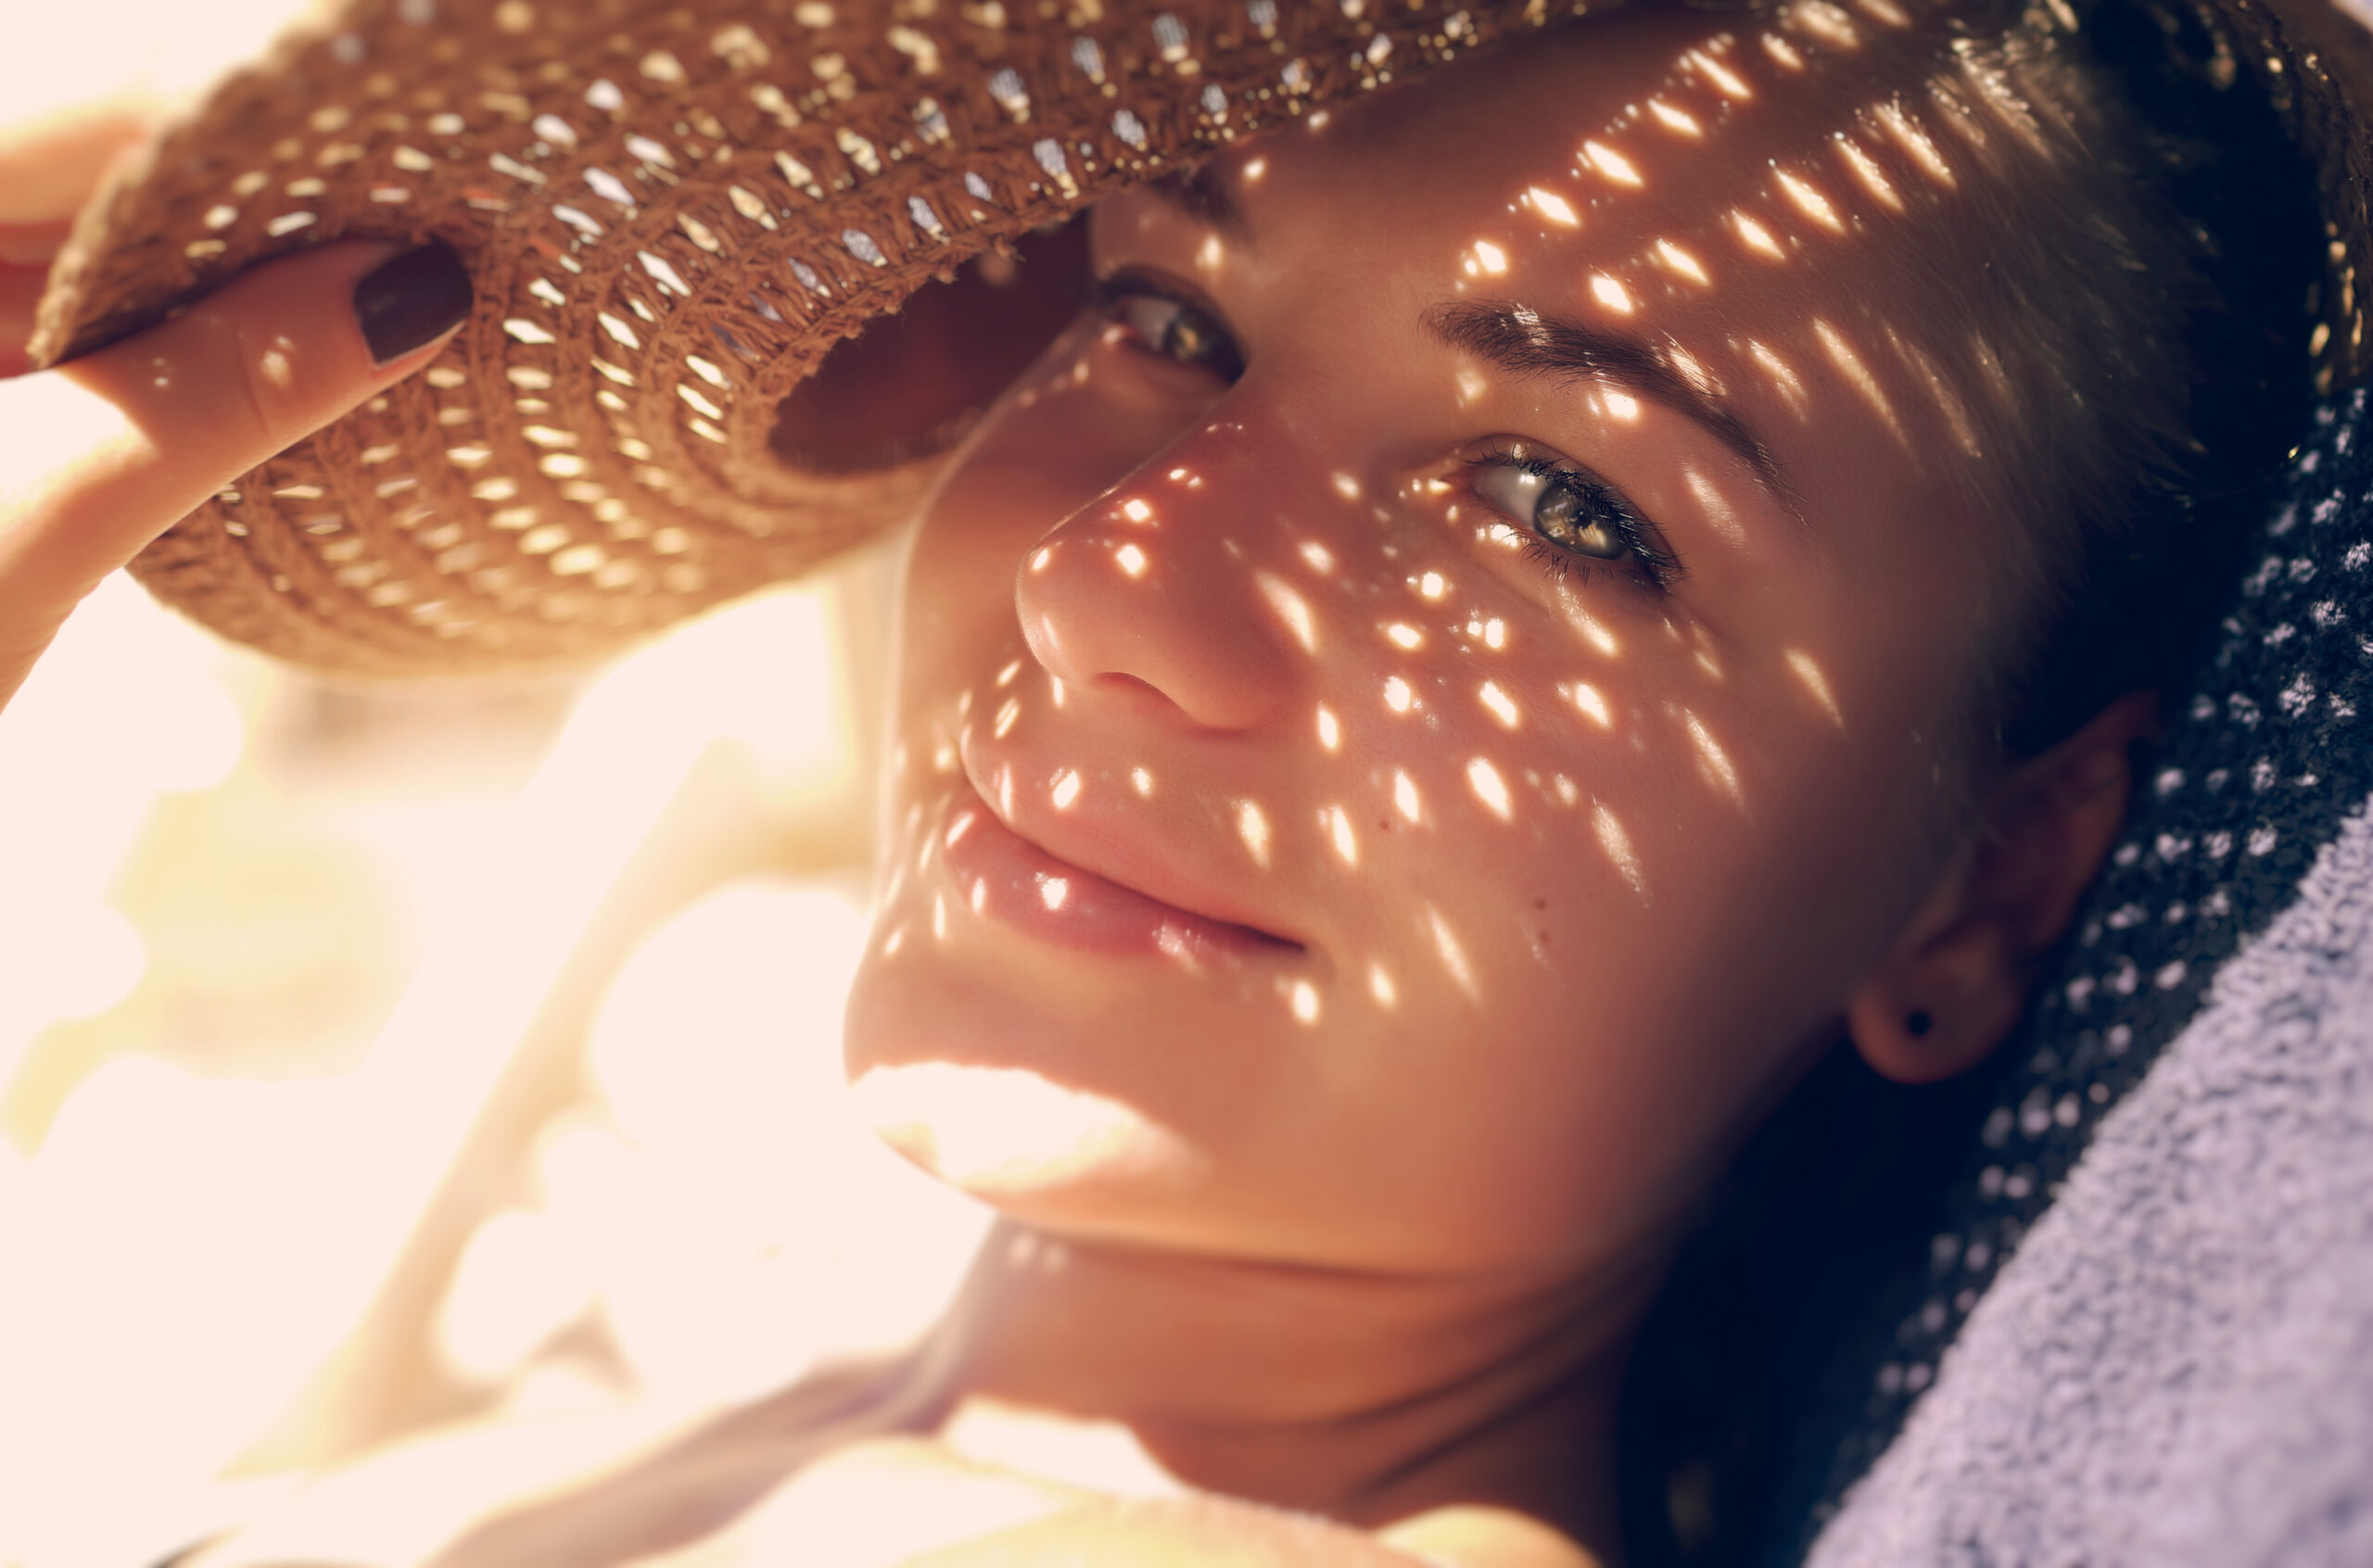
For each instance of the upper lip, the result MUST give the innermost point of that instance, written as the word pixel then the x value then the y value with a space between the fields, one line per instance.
pixel 1121 855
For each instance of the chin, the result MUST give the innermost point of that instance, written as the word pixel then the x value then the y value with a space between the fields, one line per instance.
pixel 973 1088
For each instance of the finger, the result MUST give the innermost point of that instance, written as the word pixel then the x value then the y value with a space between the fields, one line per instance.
pixel 105 453
pixel 47 170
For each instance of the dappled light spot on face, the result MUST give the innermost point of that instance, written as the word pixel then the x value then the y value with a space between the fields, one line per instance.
pixel 1452 954
pixel 1009 711
pixel 1610 293
pixel 1714 502
pixel 1553 207
pixel 1054 891
pixel 1756 237
pixel 1141 780
pixel 1586 699
pixel 1939 387
pixel 1808 198
pixel 1066 789
pixel 1041 558
pixel 1501 705
pixel 1210 255
pixel 1252 826
pixel 1908 135
pixel 1493 632
pixel 1402 635
pixel 1397 695
pixel 1673 119
pixel 1568 793
pixel 1290 608
pixel 1404 797
pixel 1005 675
pixel 938 919
pixel 1849 364
pixel 1679 260
pixel 1302 998
pixel 1430 587
pixel 1866 171
pixel 1722 78
pixel 1490 788
pixel 1345 485
pixel 1612 164
pixel 1380 986
pixel 1781 376
pixel 1330 728
pixel 1318 557
pixel 1336 823
pixel 1617 845
pixel 1782 52
pixel 1808 674
pixel 1485 260
pixel 1131 560
pixel 1591 630
pixel 1136 511
pixel 1713 763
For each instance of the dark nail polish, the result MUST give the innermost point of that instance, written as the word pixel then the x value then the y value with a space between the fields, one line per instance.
pixel 408 299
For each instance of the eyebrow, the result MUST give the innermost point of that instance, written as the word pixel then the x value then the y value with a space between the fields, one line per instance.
pixel 1199 193
pixel 1521 341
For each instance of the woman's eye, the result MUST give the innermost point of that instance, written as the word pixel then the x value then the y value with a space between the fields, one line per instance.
pixel 1178 331
pixel 1566 509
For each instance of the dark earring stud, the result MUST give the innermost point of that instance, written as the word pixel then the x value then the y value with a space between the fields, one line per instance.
pixel 1918 1022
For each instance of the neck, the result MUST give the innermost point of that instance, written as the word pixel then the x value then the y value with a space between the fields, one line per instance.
pixel 1366 1398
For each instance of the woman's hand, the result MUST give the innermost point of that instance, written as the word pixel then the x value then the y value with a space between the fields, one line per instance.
pixel 99 456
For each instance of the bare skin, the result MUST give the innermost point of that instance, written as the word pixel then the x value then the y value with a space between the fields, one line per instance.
pixel 1342 907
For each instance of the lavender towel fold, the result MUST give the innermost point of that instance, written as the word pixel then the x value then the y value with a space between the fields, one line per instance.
pixel 2176 1366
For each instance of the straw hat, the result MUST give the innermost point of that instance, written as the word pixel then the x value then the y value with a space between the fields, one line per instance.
pixel 672 214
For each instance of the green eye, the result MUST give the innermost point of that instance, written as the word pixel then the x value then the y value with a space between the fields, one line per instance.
pixel 1564 510
pixel 1180 331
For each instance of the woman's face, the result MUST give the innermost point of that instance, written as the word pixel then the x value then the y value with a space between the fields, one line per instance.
pixel 1415 713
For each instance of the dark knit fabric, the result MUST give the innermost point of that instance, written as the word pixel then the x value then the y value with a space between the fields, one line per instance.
pixel 1866 1225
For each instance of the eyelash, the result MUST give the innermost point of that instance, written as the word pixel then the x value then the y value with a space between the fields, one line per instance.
pixel 1110 295
pixel 1652 567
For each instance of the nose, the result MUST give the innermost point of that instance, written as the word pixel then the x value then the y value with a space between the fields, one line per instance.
pixel 1160 586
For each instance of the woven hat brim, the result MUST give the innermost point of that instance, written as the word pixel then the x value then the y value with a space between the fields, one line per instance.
pixel 670 216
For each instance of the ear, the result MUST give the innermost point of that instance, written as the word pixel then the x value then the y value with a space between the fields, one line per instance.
pixel 1956 980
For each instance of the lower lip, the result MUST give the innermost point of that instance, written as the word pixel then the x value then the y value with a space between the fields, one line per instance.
pixel 1004 876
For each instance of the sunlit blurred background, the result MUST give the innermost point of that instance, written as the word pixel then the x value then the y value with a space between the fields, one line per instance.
pixel 378 1058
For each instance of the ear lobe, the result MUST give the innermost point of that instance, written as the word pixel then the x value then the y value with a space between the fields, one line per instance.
pixel 1956 982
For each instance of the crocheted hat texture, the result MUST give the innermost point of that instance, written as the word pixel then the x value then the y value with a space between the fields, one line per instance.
pixel 672 214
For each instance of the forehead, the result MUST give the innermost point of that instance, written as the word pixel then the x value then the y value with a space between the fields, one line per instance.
pixel 1790 207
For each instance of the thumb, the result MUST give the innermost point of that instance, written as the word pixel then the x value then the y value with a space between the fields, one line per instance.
pixel 108 451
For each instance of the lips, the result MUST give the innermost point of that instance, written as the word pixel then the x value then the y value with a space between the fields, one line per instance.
pixel 1007 877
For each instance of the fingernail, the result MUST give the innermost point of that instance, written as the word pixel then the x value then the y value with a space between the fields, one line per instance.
pixel 408 300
